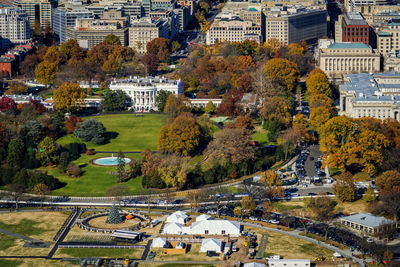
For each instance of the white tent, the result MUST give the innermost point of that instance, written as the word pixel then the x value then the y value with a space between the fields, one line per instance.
pixel 173 228
pixel 159 242
pixel 211 244
pixel 254 264
pixel 203 217
pixel 178 217
pixel 214 227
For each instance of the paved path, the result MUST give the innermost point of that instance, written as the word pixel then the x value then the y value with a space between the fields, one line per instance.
pixel 296 234
pixel 19 236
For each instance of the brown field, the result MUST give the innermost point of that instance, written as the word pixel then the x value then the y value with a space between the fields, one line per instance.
pixel 100 222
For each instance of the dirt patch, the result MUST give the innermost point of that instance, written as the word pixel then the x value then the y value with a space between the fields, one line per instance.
pixel 100 222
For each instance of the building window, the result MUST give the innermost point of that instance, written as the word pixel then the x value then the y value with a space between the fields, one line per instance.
pixel 222 232
pixel 206 232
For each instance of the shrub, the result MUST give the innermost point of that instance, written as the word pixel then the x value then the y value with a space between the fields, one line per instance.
pixel 89 152
pixel 90 130
pixel 74 171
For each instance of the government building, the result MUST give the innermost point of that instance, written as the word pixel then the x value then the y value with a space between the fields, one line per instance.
pixel 143 91
pixel 371 95
pixel 336 59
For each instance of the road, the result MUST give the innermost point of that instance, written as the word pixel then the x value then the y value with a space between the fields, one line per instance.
pixel 296 234
pixel 309 165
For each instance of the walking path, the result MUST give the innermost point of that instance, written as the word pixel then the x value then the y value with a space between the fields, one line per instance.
pixel 296 234
pixel 19 236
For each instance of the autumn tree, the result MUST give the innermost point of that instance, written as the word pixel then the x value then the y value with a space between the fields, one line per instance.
pixel 319 116
pixel 273 184
pixel 230 146
pixel 68 96
pixel 290 139
pixel 369 194
pixel 47 152
pixel 112 40
pixel 7 104
pixel 160 47
pixel 320 100
pixel 182 136
pixel 317 83
pixel 71 123
pixel 175 105
pixel 344 187
pixel 283 71
pixel 195 198
pixel 173 171
pixel 387 182
pixel 276 109
pixel 390 205
pixel 16 88
pixel 46 72
pixel 244 122
pixel 151 63
pixel 210 108
pixel 53 55
pixel 41 190
pixel 323 209
pixel 70 49
pixel 161 99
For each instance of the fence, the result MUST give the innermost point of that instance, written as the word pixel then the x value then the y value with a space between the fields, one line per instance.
pixel 97 246
pixel 62 228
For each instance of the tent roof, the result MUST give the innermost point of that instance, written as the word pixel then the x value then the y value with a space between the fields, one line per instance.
pixel 254 264
pixel 203 217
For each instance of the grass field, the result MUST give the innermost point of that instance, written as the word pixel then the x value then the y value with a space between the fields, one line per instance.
pixel 38 225
pixel 134 133
pixel 36 262
pixel 99 252
pixel 94 181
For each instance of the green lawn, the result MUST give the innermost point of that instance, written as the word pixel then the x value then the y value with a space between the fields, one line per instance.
pixel 10 263
pixel 94 181
pixel 6 242
pixel 101 252
pixel 24 227
pixel 134 133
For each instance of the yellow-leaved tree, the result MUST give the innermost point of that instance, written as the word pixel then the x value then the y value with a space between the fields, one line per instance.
pixel 68 96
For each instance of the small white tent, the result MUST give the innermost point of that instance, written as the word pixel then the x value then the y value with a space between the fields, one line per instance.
pixel 254 264
pixel 203 217
pixel 159 242
pixel 173 228
pixel 211 244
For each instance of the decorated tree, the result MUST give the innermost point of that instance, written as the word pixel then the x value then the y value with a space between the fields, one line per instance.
pixel 113 216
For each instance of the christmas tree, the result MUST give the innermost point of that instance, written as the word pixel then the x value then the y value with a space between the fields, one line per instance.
pixel 113 216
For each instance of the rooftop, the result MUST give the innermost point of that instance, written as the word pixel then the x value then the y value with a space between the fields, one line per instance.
pixel 354 18
pixel 368 219
pixel 366 88
pixel 349 45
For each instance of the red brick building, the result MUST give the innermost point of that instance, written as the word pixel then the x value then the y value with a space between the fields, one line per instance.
pixel 7 66
pixel 355 28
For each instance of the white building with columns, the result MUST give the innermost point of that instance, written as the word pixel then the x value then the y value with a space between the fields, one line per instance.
pixel 143 91
pixel 342 58
pixel 371 95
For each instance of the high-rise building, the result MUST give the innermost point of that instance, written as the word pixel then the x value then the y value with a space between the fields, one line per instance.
pixel 355 28
pixel 63 18
pixel 183 17
pixel 293 24
pixel 388 37
pixel 14 26
pixel 144 30
pixel 90 32
pixel 37 10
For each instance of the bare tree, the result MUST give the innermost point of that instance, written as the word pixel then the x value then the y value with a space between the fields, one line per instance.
pixel 195 198
pixel 16 192
pixel 117 192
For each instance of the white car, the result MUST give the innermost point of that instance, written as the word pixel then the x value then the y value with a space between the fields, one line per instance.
pixel 274 221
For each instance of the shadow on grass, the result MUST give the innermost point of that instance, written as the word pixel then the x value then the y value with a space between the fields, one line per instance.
pixel 109 135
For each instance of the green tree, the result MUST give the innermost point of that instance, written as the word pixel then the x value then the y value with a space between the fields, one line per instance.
pixel 210 108
pixel 175 105
pixel 344 187
pixel 46 72
pixel 69 96
pixel 369 194
pixel 121 167
pixel 91 130
pixel 41 190
pixel 112 40
pixel 161 99
pixel 113 216
pixel 116 100
pixel 31 132
pixel 16 151
pixel 70 49
pixel 63 161
pixel 323 209
pixel 47 152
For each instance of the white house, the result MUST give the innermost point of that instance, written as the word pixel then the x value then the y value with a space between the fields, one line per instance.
pixel 173 228
pixel 289 263
pixel 178 217
pixel 203 217
pixel 159 242
pixel 143 91
pixel 211 244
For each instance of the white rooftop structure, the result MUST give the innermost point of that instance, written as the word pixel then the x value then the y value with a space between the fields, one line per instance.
pixel 211 244
pixel 173 228
pixel 289 263
pixel 178 217
pixel 254 264
pixel 159 242
pixel 206 227
pixel 203 217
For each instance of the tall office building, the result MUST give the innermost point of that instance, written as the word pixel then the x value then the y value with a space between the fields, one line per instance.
pixel 63 18
pixel 355 28
pixel 37 10
pixel 14 26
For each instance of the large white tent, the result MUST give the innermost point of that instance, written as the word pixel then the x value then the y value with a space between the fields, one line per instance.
pixel 203 217
pixel 254 264
pixel 159 242
pixel 178 217
pixel 211 244
pixel 173 228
